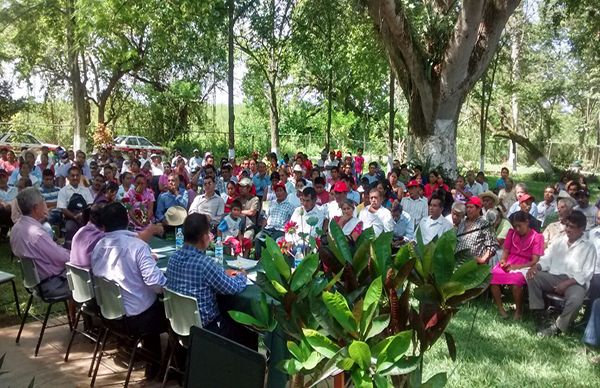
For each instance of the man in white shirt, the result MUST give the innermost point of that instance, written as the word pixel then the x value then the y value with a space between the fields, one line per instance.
pixel 434 224
pixel 195 162
pixel 472 185
pixel 210 203
pixel 482 181
pixel 340 192
pixel 556 230
pixel 566 269
pixel 583 205
pixel 414 204
pixel 376 216
pixel 124 258
pixel 308 218
pixel 72 210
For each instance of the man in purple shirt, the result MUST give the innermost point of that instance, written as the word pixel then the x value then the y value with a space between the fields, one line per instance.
pixel 28 238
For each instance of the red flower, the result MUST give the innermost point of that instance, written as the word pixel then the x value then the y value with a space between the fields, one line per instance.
pixel 125 200
pixel 290 227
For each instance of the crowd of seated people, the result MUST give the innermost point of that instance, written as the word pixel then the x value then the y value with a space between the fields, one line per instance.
pixel 522 241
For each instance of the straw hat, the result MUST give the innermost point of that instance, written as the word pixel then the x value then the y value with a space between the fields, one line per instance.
pixel 491 195
pixel 175 215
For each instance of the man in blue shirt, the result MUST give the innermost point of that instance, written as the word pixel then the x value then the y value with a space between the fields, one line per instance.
pixel 191 272
pixel 261 180
pixel 175 196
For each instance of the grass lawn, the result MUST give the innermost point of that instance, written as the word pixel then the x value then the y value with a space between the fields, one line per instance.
pixel 493 352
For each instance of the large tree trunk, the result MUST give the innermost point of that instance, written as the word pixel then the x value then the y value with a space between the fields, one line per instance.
pixel 78 90
pixel 435 80
pixel 516 35
pixel 274 119
pixel 230 67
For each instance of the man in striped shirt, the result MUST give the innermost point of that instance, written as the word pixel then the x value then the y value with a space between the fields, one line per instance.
pixel 414 204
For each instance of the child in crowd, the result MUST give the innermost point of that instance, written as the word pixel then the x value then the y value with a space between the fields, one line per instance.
pixel 231 229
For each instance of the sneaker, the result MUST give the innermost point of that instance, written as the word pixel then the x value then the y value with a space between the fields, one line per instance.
pixel 550 331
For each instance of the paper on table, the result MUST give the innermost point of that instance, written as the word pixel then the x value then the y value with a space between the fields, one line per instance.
pixel 241 263
pixel 160 256
pixel 163 249
pixel 251 278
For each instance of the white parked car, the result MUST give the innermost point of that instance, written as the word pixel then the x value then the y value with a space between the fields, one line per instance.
pixel 18 141
pixel 126 143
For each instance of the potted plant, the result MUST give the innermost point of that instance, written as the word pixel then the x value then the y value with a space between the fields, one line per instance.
pixel 359 309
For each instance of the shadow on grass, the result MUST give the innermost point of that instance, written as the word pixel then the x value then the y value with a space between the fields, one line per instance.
pixel 494 352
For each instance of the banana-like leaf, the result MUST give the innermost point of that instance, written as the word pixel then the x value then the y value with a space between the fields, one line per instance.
pixel 451 345
pixel 451 289
pixel 393 350
pixel 378 324
pixel 470 274
pixel 427 293
pixel 304 272
pixel 296 351
pixel 402 366
pixel 366 236
pixel 268 265
pixel 280 263
pixel 341 242
pixel 436 381
pixel 338 307
pixel 361 354
pixel 246 319
pixel 278 287
pixel 262 280
pixel 427 260
pixel 260 309
pixel 334 249
pixel 312 361
pixel 373 294
pixel 361 257
pixel 381 251
pixel 402 256
pixel 443 257
pixel 320 343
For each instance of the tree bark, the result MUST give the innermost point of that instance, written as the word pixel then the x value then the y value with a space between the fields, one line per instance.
pixel 230 79
pixel 392 117
pixel 78 90
pixel 531 149
pixel 274 118
pixel 436 83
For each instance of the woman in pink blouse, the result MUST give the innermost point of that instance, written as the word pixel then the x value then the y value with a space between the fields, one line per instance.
pixel 350 224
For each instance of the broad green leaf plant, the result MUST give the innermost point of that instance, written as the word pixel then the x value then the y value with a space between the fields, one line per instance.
pixel 358 308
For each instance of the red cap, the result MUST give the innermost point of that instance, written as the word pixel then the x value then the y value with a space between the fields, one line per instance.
pixel 340 187
pixel 278 185
pixel 338 154
pixel 412 183
pixel 526 197
pixel 474 200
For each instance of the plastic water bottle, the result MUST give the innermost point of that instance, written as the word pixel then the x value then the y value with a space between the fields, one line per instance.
pixel 298 257
pixel 179 239
pixel 219 251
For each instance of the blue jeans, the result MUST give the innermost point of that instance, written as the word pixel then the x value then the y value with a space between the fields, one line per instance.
pixel 592 331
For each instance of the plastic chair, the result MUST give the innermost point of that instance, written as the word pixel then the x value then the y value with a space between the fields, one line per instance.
pixel 80 283
pixel 183 313
pixel 31 281
pixel 217 362
pixel 6 277
pixel 112 311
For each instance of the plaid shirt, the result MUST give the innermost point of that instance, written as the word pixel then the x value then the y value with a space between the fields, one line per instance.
pixel 191 272
pixel 479 240
pixel 279 214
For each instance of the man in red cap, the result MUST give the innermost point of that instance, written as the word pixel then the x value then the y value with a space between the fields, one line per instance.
pixel 278 214
pixel 414 204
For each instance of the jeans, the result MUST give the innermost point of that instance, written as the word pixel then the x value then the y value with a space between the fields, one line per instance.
pixel 591 336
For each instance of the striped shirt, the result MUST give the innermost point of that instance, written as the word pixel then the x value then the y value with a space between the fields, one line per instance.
pixel 417 208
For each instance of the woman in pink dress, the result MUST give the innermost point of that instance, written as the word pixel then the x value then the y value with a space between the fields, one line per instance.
pixel 522 249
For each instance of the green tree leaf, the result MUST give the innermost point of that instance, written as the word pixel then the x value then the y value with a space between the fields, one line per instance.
pixel 341 242
pixel 378 325
pixel 338 307
pixel 280 263
pixel 360 353
pixel 436 381
pixel 443 257
pixel 470 274
pixel 451 289
pixel 304 272
pixel 320 343
pixel 246 319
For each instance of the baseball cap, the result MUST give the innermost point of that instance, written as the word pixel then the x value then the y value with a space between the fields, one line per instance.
pixel 278 185
pixel 340 187
pixel 412 183
pixel 474 200
pixel 526 197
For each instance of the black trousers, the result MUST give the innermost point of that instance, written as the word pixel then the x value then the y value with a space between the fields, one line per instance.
pixel 149 325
